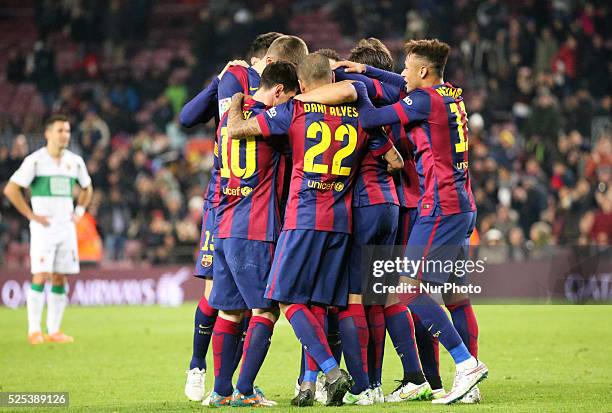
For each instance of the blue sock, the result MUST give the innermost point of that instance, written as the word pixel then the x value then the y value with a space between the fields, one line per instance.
pixel 242 328
pixel 205 317
pixel 355 336
pixel 225 342
pixel 436 321
pixel 311 335
pixel 401 330
pixel 256 347
pixel 428 353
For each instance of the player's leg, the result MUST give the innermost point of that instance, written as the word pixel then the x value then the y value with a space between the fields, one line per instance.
pixel 36 302
pixel 376 347
pixel 429 355
pixel 226 336
pixel 66 262
pixel 205 316
pixel 435 238
pixel 312 337
pixel 225 340
pixel 256 345
pixel 250 262
pixel 459 305
pixel 294 281
pixel 204 321
pixel 56 304
pixel 333 333
pixel 372 225
pixel 426 344
pixel 413 385
pixel 43 245
pixel 464 318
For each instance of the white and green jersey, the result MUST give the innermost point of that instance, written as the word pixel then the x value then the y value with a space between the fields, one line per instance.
pixel 51 183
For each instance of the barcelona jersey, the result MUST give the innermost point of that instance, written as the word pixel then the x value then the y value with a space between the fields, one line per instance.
pixel 236 79
pixel 248 174
pixel 327 145
pixel 435 120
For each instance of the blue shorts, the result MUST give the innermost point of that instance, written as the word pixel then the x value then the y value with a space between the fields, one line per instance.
pixel 440 239
pixel 407 218
pixel 241 273
pixel 310 267
pixel 372 225
pixel 204 264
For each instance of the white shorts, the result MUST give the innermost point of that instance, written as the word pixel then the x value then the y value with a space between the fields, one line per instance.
pixel 54 249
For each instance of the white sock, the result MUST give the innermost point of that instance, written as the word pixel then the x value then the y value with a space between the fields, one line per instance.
pixel 35 303
pixel 56 303
pixel 467 364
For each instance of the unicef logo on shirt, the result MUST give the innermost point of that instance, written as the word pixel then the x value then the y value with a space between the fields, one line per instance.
pixel 338 186
pixel 246 190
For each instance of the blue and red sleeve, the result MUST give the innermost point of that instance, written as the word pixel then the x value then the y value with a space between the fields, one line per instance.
pixel 233 81
pixel 378 143
pixel 369 116
pixel 276 120
pixel 415 107
pixel 386 77
pixel 381 93
pixel 202 108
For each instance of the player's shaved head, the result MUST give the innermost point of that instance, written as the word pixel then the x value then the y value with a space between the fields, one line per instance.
pixel 288 48
pixel 431 51
pixel 314 70
pixel 262 42
pixel 280 73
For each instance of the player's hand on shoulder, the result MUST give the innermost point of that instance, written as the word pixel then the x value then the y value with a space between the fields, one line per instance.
pixel 41 219
pixel 230 64
pixel 238 98
pixel 350 67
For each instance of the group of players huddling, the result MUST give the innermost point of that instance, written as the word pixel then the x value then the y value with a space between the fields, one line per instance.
pixel 317 158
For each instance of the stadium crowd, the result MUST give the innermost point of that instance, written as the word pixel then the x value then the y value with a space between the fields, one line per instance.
pixel 536 77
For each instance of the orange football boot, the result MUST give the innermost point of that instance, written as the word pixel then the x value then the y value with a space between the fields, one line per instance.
pixel 59 337
pixel 36 338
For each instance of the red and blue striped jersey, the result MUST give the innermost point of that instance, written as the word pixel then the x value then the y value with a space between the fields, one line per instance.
pixel 436 123
pixel 374 184
pixel 327 145
pixel 235 79
pixel 407 180
pixel 249 171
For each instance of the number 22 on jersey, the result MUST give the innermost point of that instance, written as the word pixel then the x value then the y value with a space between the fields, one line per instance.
pixel 342 133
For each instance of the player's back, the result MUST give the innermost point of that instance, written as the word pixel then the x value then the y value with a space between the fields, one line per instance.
pixel 327 144
pixel 248 174
pixel 442 148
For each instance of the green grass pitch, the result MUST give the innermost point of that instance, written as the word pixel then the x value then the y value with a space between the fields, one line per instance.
pixel 133 359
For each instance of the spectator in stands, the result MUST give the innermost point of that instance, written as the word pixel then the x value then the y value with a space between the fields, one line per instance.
pixel 113 222
pixel 44 73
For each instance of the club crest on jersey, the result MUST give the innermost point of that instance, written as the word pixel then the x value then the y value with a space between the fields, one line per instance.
pixel 206 260
pixel 407 100
pixel 224 105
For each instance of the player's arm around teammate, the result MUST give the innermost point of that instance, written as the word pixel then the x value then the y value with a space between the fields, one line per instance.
pixel 51 173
